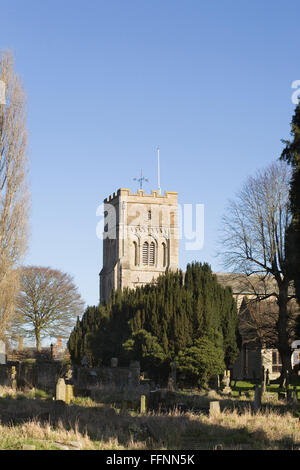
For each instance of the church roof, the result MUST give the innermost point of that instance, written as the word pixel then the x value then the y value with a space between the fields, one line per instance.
pixel 242 284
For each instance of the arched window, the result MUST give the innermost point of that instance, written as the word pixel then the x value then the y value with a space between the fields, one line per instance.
pixel 152 254
pixel 136 259
pixel 146 253
pixel 164 247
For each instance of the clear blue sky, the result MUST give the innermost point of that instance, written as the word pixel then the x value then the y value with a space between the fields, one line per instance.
pixel 108 81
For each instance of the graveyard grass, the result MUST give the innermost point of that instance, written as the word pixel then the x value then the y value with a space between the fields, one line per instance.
pixel 110 421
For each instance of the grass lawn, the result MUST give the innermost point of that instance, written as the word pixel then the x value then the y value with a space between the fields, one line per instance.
pixel 248 386
pixel 34 418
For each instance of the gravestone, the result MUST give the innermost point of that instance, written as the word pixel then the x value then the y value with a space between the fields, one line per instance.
pixel 226 383
pixel 226 391
pixel 60 390
pixel 263 380
pixel 257 399
pixel 267 377
pixel 171 385
pixel 28 447
pixel 214 408
pixel 2 352
pixel 69 393
pixel 226 379
pixel 143 404
pixel 13 375
pixel 294 396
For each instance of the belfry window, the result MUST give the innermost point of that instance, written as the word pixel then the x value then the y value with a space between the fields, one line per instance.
pixel 149 254
pixel 152 254
pixel 146 253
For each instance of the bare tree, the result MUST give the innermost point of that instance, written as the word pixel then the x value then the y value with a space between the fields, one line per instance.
pixel 14 197
pixel 48 303
pixel 253 240
pixel 258 319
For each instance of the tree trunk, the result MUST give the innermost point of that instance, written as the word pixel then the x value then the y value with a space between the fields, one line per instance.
pixel 38 340
pixel 283 335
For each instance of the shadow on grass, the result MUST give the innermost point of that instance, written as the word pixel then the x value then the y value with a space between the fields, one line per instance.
pixel 175 430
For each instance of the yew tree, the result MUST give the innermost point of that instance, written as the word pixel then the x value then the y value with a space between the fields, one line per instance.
pixel 291 154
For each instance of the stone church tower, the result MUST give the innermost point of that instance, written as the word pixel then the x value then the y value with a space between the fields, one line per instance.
pixel 140 239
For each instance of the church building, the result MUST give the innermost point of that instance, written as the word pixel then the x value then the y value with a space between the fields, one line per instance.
pixel 140 239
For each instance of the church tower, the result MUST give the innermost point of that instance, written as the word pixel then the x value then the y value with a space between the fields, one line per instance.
pixel 140 239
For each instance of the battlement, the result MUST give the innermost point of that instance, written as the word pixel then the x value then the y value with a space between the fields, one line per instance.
pixel 141 194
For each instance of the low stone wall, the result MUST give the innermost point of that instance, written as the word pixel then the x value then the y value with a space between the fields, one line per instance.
pixel 5 375
pixel 44 375
pixel 118 377
pixel 40 374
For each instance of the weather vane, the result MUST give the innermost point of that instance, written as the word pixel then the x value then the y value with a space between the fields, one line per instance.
pixel 141 180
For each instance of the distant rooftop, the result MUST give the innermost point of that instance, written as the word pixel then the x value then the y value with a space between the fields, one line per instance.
pixel 242 284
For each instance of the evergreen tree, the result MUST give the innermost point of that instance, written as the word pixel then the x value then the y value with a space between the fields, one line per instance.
pixel 200 362
pixel 158 322
pixel 291 153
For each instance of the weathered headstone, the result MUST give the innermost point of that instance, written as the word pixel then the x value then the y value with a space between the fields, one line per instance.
pixel 13 377
pixel 214 408
pixel 69 393
pixel 28 447
pixel 60 446
pixel 218 447
pixel 227 390
pixel 61 390
pixel 257 399
pixel 2 352
pixel 263 380
pixel 294 395
pixel 143 404
pixel 76 445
